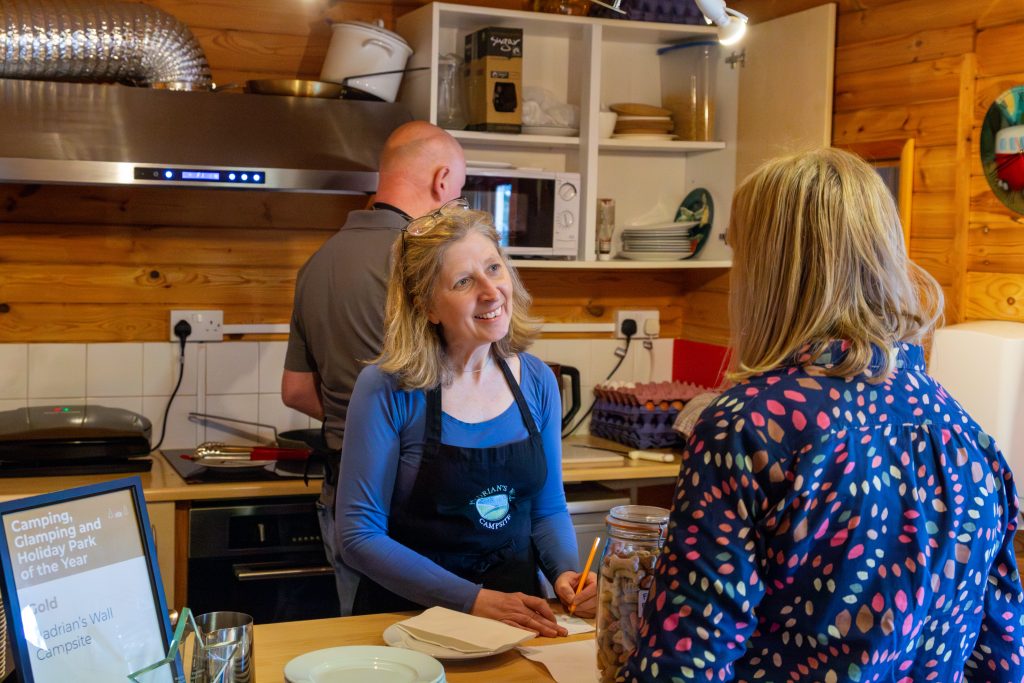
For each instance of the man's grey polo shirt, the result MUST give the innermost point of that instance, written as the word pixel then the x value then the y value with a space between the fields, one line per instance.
pixel 337 320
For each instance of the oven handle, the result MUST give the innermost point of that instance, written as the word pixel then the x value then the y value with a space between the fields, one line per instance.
pixel 246 572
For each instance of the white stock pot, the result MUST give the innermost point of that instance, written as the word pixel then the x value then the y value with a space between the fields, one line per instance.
pixel 360 48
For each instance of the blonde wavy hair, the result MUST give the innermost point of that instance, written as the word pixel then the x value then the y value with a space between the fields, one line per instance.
pixel 414 348
pixel 818 255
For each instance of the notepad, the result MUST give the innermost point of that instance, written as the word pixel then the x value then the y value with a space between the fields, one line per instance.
pixel 462 632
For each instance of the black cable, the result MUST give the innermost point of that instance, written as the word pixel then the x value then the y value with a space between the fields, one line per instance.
pixel 629 332
pixel 182 330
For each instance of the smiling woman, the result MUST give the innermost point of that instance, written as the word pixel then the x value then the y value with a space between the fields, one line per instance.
pixel 451 474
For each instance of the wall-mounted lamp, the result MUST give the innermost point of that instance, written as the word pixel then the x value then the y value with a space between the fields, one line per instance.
pixel 731 24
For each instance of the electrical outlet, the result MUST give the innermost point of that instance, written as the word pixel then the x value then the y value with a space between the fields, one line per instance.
pixel 648 323
pixel 206 325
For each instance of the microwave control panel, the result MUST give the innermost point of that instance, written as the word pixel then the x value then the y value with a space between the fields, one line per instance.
pixel 567 214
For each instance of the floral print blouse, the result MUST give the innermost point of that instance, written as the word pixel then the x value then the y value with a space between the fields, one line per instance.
pixel 831 529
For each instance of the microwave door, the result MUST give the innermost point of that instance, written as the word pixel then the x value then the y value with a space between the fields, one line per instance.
pixel 492 196
pixel 522 209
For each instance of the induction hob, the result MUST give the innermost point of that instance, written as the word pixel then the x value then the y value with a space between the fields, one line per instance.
pixel 195 473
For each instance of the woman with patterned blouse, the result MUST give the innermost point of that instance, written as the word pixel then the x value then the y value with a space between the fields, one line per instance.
pixel 838 515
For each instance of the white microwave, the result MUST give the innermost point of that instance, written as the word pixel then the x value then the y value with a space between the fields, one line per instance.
pixel 537 213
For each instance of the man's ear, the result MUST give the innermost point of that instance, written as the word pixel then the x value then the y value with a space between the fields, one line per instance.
pixel 442 179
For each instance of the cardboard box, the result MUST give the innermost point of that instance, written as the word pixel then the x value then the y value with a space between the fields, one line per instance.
pixel 494 79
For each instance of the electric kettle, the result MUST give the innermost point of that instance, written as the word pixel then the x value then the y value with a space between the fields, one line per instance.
pixel 563 371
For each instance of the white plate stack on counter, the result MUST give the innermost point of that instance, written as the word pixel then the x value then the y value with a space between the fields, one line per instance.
pixel 638 121
pixel 659 242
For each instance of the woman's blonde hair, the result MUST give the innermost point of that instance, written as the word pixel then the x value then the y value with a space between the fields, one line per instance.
pixel 414 348
pixel 818 255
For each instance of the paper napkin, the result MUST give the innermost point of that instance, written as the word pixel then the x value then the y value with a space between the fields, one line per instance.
pixel 574 662
pixel 462 632
pixel 573 624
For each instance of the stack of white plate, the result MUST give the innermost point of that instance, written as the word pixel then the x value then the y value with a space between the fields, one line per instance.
pixel 364 663
pixel 662 242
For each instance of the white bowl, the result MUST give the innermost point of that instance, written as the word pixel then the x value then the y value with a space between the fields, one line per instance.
pixel 606 123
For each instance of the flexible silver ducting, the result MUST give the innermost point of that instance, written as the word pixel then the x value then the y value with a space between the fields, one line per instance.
pixel 98 42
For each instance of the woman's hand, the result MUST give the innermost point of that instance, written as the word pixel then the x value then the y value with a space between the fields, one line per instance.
pixel 586 601
pixel 517 609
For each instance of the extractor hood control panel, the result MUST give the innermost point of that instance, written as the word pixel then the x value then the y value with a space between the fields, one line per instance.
pixel 201 175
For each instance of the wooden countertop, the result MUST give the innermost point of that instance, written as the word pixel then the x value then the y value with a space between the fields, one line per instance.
pixel 163 484
pixel 277 644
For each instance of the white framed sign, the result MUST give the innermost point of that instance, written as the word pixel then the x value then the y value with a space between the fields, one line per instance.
pixel 81 585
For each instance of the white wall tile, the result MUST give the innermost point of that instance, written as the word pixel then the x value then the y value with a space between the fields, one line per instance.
pixel 603 359
pixel 663 353
pixel 113 370
pixel 160 368
pixel 586 398
pixel 12 403
pixel 239 406
pixel 271 366
pixel 273 412
pixel 56 370
pixel 233 368
pixel 180 432
pixel 541 348
pixel 132 403
pixel 14 371
pixel 567 352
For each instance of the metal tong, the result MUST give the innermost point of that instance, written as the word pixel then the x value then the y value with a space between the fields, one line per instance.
pixel 221 451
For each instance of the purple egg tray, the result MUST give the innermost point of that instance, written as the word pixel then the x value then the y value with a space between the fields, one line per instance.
pixel 635 426
pixel 670 11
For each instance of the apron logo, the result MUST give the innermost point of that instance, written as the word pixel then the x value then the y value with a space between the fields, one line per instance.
pixel 494 506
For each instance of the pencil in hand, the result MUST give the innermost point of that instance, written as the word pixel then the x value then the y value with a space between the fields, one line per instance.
pixel 583 576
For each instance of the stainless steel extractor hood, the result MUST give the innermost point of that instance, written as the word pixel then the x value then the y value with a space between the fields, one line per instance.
pixel 76 133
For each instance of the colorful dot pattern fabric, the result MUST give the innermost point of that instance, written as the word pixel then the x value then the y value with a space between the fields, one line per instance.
pixel 832 529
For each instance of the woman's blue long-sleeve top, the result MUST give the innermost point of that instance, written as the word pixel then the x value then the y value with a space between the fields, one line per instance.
pixel 384 438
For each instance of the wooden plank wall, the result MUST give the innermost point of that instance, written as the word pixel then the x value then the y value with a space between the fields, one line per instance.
pixel 91 264
pixel 106 264
pixel 915 68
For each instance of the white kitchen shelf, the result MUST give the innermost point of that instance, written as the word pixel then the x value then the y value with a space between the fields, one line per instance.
pixel 592 63
pixel 659 146
pixel 477 138
pixel 620 264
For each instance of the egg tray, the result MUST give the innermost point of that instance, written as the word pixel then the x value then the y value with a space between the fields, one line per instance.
pixel 666 11
pixel 635 425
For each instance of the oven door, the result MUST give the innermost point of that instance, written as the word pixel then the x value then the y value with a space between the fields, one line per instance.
pixel 523 210
pixel 265 559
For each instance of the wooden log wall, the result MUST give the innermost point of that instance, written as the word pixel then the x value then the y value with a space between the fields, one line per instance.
pixel 917 69
pixel 92 264
pixel 106 264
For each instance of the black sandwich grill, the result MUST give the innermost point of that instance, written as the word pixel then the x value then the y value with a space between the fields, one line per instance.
pixel 72 439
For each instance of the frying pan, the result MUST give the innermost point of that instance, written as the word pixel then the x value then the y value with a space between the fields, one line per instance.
pixel 291 439
pixel 300 87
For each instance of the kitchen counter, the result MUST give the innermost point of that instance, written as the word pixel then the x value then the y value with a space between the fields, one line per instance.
pixel 169 498
pixel 277 644
pixel 163 484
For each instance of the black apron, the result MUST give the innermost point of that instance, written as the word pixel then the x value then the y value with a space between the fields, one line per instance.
pixel 469 510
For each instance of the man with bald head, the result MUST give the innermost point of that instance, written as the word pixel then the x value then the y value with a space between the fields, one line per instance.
pixel 337 320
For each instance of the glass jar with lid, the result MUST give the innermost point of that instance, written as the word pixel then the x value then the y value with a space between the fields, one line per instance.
pixel 635 536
